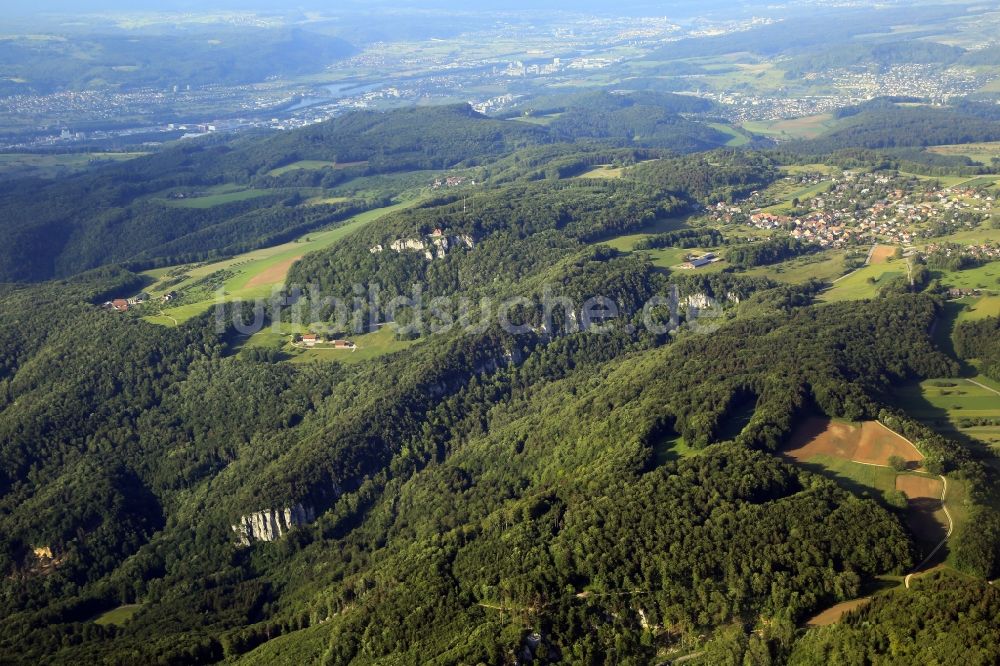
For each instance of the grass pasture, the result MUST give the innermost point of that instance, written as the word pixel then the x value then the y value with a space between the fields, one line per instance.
pixel 302 165
pixel 807 127
pixel 986 277
pixel 604 171
pixel 828 265
pixel 278 336
pixel 955 407
pixel 983 152
pixel 217 196
pixel 736 137
pixel 789 192
pixel 369 346
pixel 856 285
pixel 980 308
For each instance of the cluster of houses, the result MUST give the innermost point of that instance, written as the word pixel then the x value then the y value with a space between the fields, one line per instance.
pixel 861 208
pixel 955 292
pixel 451 181
pixel 985 251
pixel 123 304
pixel 311 340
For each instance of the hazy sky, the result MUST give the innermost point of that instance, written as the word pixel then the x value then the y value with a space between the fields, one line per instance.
pixel 332 6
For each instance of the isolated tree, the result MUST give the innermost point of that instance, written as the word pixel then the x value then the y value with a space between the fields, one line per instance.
pixel 898 463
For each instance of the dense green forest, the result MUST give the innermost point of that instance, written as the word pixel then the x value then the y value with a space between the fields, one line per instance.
pixel 129 213
pixel 980 340
pixel 555 488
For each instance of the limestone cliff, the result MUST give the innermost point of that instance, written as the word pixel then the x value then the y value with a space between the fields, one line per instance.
pixel 269 524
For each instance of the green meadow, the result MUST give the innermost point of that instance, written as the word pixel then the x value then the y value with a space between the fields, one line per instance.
pixel 254 274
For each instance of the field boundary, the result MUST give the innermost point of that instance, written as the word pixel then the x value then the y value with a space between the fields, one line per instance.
pixel 867 259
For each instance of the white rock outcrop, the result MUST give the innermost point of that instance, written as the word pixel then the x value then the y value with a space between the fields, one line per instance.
pixel 435 247
pixel 270 524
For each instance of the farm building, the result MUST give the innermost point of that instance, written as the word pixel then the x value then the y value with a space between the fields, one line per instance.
pixel 698 262
pixel 310 339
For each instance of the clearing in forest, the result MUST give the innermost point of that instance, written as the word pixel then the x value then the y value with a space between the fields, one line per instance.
pixel 925 511
pixel 833 614
pixel 868 442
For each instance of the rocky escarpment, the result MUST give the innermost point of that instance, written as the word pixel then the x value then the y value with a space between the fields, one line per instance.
pixel 435 246
pixel 270 524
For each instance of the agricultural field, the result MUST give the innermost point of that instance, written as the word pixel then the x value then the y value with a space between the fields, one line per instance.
pixel 925 515
pixel 869 443
pixel 833 614
pixel 800 169
pixel 302 165
pixel 857 456
pixel 964 408
pixel 881 254
pixel 251 275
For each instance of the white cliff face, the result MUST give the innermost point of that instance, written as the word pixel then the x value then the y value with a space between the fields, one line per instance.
pixel 699 301
pixel 407 245
pixel 270 524
pixel 436 247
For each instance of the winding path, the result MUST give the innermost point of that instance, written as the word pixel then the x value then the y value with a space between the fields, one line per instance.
pixel 944 507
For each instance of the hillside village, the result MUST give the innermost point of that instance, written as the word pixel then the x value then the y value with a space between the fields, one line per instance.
pixel 861 208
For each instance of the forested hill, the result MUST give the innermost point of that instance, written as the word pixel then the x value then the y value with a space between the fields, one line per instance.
pixel 883 124
pixel 536 474
pixel 251 192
